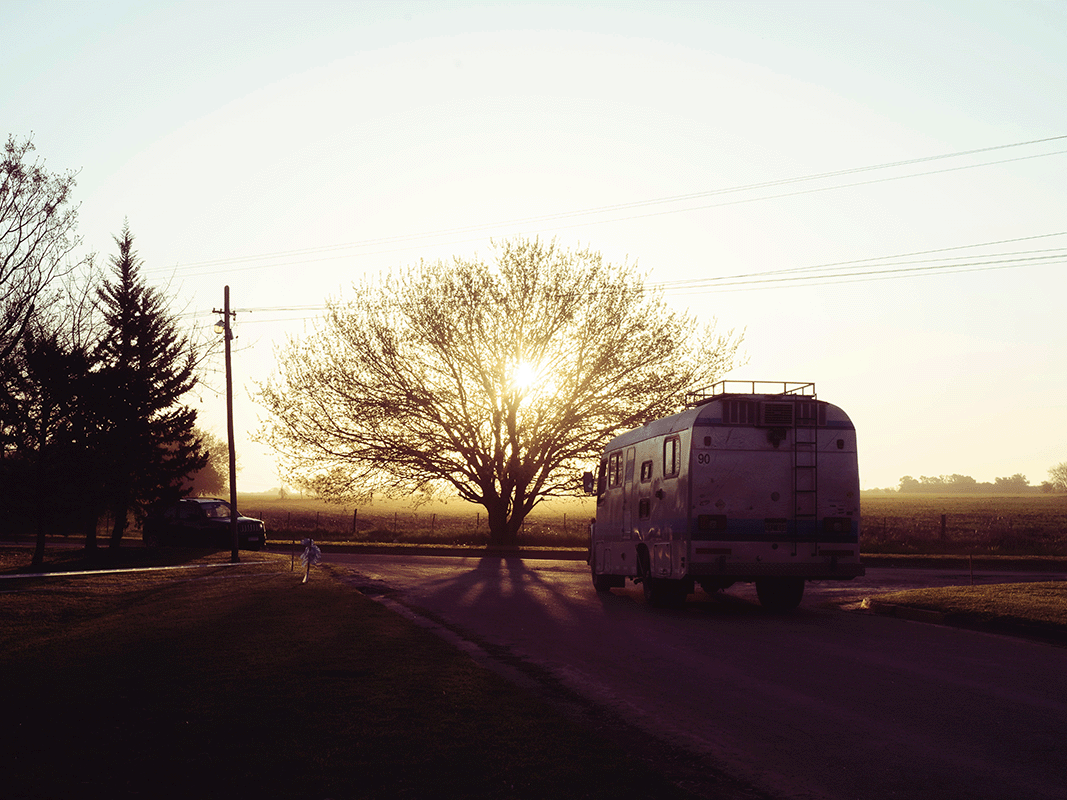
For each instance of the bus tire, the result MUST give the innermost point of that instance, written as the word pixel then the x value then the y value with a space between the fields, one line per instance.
pixel 781 593
pixel 605 583
pixel 659 592
pixel 665 592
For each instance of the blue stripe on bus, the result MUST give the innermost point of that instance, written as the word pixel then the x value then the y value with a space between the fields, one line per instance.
pixel 755 530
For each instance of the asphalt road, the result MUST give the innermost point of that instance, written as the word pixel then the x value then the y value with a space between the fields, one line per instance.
pixel 736 702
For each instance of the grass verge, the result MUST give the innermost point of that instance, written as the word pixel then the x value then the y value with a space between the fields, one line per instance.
pixel 1038 610
pixel 240 681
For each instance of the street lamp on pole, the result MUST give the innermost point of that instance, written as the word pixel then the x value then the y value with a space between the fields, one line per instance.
pixel 223 327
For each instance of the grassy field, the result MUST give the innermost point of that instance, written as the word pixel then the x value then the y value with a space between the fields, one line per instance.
pixel 215 680
pixel 1033 524
pixel 220 681
pixel 561 522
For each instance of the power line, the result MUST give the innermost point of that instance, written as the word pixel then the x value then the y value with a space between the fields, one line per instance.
pixel 869 260
pixel 406 241
pixel 875 274
pixel 889 267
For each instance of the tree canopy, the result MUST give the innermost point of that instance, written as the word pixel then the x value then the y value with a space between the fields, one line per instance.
pixel 37 236
pixel 92 371
pixel 1058 476
pixel 213 479
pixel 963 484
pixel 499 380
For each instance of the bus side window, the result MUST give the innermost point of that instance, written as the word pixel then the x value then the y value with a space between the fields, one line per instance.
pixel 614 470
pixel 646 471
pixel 670 456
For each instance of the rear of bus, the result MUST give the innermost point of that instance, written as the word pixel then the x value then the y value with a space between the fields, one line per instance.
pixel 775 494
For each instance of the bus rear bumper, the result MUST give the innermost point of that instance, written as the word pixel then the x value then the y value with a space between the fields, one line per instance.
pixel 742 571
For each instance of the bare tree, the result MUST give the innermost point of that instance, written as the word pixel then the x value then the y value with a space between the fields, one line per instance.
pixel 499 380
pixel 37 236
pixel 1058 476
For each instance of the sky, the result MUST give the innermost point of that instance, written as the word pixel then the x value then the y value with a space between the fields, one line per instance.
pixel 891 178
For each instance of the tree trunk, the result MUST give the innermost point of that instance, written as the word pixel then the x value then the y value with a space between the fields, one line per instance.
pixel 90 533
pixel 38 549
pixel 118 528
pixel 503 532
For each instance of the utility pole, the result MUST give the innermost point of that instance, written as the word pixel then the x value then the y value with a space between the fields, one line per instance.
pixel 223 327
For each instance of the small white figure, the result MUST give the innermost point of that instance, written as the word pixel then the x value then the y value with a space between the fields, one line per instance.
pixel 311 555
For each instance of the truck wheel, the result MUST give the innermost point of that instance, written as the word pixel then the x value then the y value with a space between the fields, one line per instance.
pixel 660 592
pixel 644 572
pixel 604 583
pixel 665 592
pixel 780 594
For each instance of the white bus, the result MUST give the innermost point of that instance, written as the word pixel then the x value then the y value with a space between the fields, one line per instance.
pixel 754 481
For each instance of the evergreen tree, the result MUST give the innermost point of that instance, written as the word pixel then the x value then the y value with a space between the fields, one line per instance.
pixel 60 404
pixel 148 366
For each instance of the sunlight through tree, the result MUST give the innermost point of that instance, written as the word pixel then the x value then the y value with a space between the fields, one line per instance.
pixel 499 380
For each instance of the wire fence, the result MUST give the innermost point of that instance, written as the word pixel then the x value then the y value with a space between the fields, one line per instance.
pixel 988 534
pixel 415 527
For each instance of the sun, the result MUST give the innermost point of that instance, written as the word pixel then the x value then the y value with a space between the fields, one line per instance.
pixel 524 376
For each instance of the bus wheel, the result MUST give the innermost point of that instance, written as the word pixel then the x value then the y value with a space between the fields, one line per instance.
pixel 660 592
pixel 605 583
pixel 664 592
pixel 780 594
pixel 644 573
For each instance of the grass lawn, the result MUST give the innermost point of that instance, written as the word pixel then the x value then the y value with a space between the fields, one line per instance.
pixel 1034 608
pixel 216 680
pixel 221 681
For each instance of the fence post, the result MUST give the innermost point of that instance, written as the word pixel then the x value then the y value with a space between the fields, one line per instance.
pixel 943 518
pixel 354 513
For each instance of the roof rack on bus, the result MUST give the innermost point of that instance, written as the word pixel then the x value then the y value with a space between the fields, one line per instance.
pixel 722 388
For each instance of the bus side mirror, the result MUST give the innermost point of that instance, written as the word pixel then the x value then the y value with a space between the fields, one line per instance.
pixel 588 486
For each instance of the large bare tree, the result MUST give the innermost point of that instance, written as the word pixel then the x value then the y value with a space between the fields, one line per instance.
pixel 498 379
pixel 37 236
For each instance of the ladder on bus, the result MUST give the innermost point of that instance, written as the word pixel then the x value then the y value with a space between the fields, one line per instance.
pixel 806 472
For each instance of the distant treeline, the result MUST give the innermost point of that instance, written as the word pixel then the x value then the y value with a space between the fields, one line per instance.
pixel 965 484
